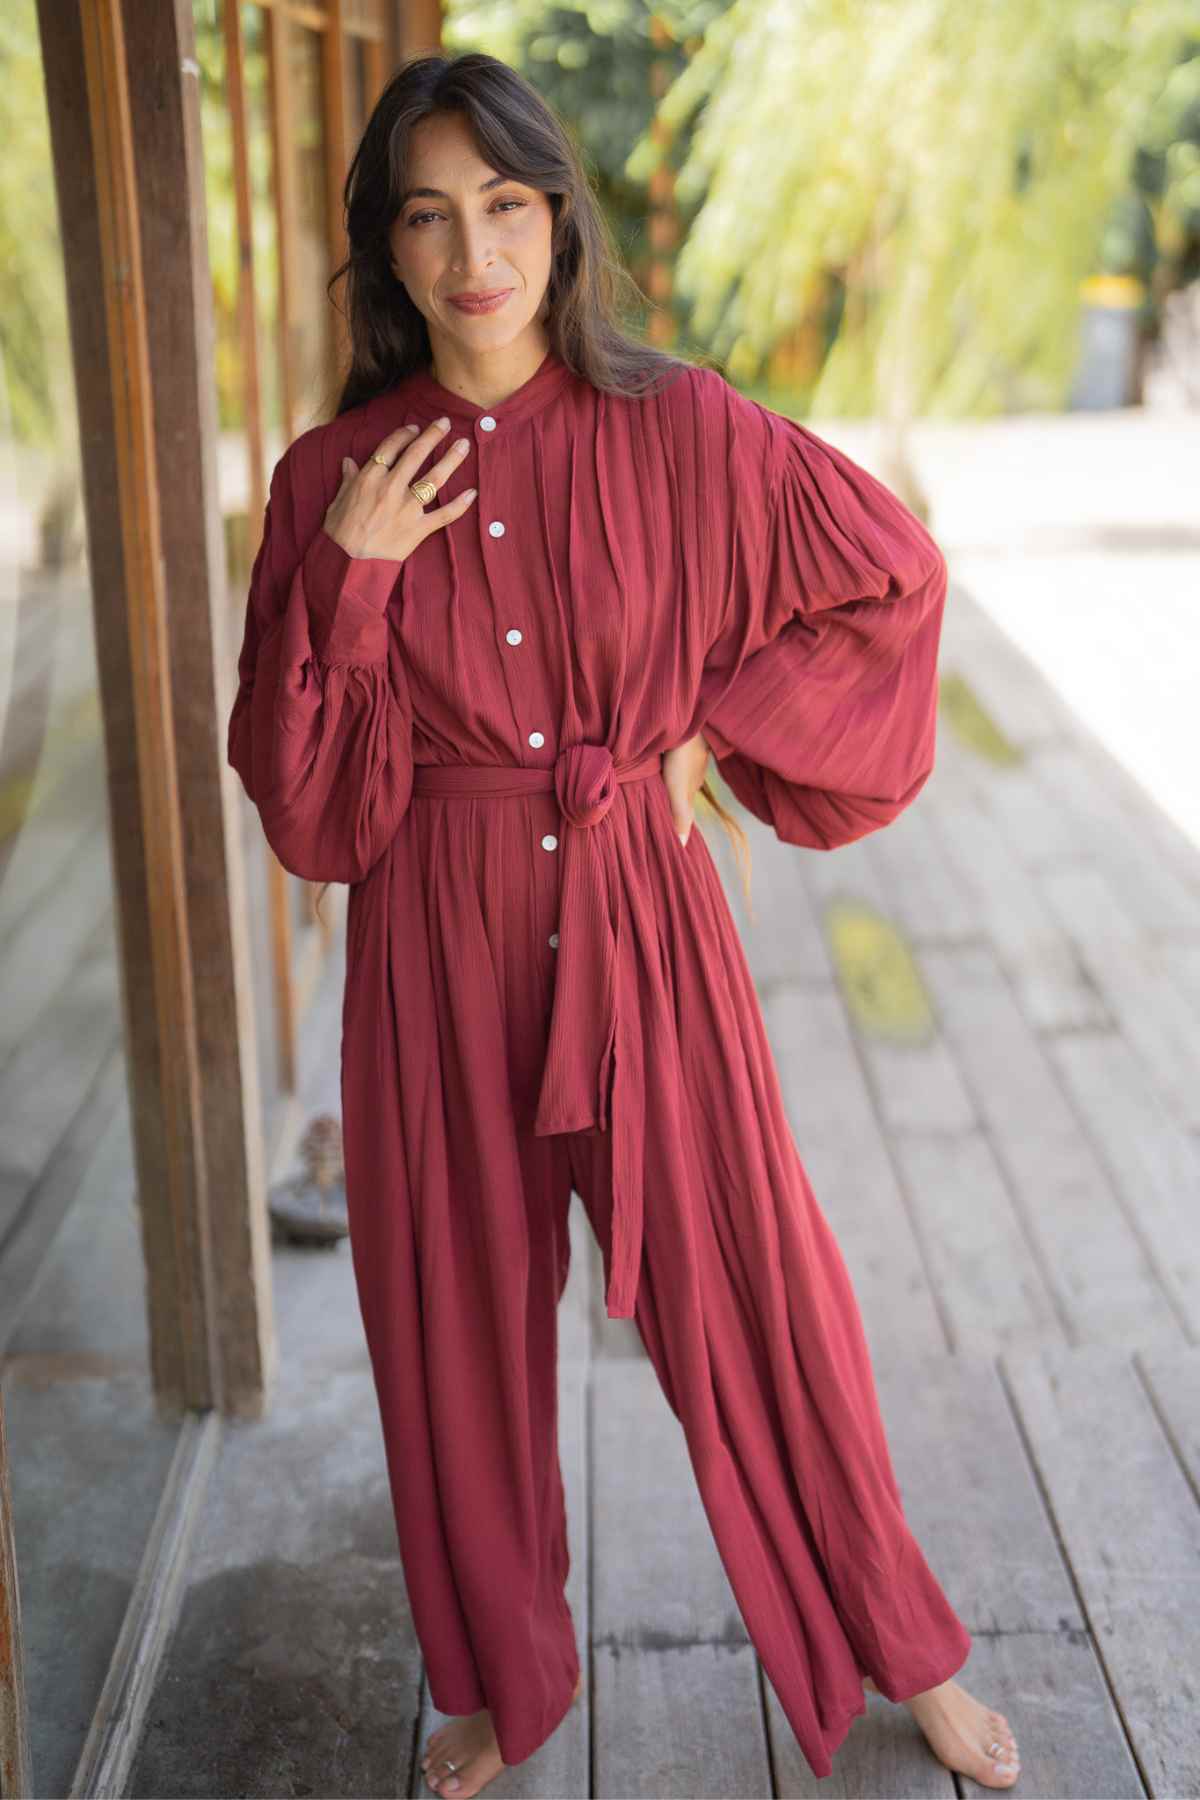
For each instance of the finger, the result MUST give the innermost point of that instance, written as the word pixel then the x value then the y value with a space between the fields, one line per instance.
pixel 392 446
pixel 453 509
pixel 442 470
pixel 681 812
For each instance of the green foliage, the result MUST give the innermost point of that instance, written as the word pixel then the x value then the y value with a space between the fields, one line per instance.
pixel 38 394
pixel 952 167
pixel 599 64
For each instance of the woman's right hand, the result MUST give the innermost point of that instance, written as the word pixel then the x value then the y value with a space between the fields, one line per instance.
pixel 375 513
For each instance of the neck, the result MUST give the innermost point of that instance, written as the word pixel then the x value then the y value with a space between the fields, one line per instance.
pixel 488 377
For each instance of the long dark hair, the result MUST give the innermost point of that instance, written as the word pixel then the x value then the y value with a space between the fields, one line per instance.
pixel 519 134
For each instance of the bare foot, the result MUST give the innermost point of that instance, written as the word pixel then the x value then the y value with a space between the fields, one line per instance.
pixel 470 1744
pixel 965 1735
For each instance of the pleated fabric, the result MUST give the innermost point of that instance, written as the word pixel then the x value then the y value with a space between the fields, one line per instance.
pixel 546 992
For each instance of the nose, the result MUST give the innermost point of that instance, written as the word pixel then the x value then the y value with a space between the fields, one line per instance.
pixel 585 782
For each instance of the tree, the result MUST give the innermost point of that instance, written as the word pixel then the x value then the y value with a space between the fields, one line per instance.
pixel 936 177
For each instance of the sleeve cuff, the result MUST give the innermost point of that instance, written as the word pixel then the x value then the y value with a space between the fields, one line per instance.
pixel 347 601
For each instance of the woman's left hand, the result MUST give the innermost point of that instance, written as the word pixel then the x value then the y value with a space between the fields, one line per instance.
pixel 683 770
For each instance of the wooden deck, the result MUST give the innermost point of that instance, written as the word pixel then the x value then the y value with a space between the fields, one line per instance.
pixel 987 1024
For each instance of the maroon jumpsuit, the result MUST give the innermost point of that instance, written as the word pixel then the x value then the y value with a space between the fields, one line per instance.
pixel 546 992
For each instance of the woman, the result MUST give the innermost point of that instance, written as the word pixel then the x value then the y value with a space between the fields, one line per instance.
pixel 506 603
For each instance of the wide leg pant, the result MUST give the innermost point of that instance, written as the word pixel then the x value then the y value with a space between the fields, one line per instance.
pixel 782 1427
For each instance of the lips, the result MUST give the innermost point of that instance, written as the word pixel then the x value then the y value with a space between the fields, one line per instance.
pixel 482 303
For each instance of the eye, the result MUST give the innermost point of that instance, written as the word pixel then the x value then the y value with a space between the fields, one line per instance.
pixel 415 218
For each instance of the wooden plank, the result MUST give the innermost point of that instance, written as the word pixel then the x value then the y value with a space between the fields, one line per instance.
pixel 884 1753
pixel 849 1163
pixel 1129 1524
pixel 574 1310
pixel 1133 848
pixel 1050 1689
pixel 93 1156
pixel 1154 1164
pixel 971 1497
pixel 926 892
pixel 1156 1019
pixel 919 1086
pixel 279 27
pixel 986 1277
pixel 1012 915
pixel 781 940
pixel 1008 686
pixel 1091 1258
pixel 973 1502
pixel 676 1695
pixel 1172 1380
pixel 52 937
pixel 247 300
pixel 684 1720
pixel 915 1081
pixel 69 799
pixel 16 1771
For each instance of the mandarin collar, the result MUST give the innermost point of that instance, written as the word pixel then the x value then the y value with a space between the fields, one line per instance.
pixel 548 380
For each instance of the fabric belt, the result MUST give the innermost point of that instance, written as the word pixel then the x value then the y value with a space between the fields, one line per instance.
pixel 595 1040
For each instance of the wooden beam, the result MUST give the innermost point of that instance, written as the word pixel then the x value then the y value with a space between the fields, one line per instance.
pixel 122 89
pixel 283 186
pixel 418 27
pixel 247 298
pixel 170 163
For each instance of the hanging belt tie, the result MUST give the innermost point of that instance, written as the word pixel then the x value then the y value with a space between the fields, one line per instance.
pixel 594 1048
pixel 595 1044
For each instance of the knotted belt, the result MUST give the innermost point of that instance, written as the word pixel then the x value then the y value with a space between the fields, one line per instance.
pixel 593 1023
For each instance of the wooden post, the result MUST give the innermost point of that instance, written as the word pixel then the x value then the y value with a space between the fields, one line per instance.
pixel 122 85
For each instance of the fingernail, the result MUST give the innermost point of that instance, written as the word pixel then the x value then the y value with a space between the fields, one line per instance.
pixel 443 424
pixel 683 838
pixel 459 444
pixel 470 493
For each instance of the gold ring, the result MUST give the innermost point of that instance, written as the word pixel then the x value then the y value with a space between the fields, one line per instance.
pixel 425 491
pixel 381 459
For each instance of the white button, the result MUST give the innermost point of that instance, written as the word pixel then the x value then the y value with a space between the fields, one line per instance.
pixel 536 739
pixel 487 423
pixel 554 940
pixel 549 842
pixel 496 528
pixel 513 636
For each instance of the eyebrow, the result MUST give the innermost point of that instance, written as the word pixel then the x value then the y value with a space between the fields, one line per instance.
pixel 428 193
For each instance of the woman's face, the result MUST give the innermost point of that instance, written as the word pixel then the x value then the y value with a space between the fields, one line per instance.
pixel 477 232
